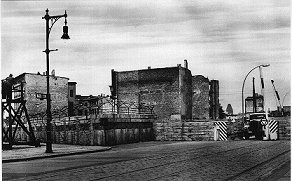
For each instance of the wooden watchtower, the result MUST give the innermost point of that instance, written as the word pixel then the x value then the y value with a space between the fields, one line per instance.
pixel 14 113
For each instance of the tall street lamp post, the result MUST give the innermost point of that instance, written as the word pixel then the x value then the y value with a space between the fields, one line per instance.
pixel 242 96
pixel 54 19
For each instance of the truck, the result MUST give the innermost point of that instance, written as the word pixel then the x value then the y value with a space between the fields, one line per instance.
pixel 255 125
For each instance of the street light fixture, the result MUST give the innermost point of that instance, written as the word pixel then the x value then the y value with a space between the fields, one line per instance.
pixel 285 97
pixel 242 96
pixel 65 35
pixel 54 19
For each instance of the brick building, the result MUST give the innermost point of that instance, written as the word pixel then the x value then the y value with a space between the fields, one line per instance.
pixel 168 89
pixel 172 90
pixel 63 94
pixel 37 83
pixel 71 97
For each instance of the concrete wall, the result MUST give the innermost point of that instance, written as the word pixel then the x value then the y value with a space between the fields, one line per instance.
pixel 284 127
pixel 186 130
pixel 100 130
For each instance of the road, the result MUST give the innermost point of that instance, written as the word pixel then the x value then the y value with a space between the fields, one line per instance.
pixel 230 160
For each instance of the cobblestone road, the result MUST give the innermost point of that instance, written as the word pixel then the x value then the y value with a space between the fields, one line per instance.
pixel 231 160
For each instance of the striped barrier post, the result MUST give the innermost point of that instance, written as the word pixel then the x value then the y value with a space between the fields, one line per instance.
pixel 265 129
pixel 273 129
pixel 220 131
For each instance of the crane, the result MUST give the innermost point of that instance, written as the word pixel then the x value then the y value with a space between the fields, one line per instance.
pixel 278 97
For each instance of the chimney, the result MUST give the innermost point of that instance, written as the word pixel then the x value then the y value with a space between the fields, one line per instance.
pixel 149 67
pixel 186 64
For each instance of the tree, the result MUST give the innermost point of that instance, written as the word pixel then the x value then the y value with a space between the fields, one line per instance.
pixel 222 114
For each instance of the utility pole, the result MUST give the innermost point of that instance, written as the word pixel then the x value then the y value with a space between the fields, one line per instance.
pixel 254 100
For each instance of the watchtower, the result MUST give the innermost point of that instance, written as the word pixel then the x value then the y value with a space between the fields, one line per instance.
pixel 14 113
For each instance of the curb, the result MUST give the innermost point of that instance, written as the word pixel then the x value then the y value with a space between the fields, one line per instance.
pixel 53 156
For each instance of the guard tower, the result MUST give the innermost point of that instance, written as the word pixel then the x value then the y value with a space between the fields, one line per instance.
pixel 14 113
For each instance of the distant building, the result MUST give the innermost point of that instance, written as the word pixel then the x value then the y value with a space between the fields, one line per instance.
pixel 84 103
pixel 37 83
pixel 173 91
pixel 71 97
pixel 79 105
pixel 229 110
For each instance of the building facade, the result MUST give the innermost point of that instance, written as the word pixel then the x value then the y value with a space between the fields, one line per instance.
pixel 173 92
pixel 71 97
pixel 37 84
pixel 168 89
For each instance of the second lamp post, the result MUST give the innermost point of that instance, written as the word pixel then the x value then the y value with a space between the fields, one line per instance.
pixel 242 96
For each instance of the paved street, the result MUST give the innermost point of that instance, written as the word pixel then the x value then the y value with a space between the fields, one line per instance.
pixel 231 160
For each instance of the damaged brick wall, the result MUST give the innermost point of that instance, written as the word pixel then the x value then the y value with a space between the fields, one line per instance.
pixel 127 86
pixel 214 99
pixel 186 93
pixel 165 88
pixel 200 88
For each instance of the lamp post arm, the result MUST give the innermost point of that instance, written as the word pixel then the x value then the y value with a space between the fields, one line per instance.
pixel 284 98
pixel 54 19
pixel 242 96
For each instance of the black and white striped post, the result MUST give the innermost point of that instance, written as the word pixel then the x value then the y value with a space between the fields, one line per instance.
pixel 220 131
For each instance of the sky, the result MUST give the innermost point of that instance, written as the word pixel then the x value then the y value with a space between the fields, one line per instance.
pixel 221 39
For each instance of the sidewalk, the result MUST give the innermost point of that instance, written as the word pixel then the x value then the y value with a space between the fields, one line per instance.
pixel 25 152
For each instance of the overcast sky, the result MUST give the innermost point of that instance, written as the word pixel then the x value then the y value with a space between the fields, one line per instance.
pixel 221 39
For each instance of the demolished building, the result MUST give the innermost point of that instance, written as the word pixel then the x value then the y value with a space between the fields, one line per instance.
pixel 174 92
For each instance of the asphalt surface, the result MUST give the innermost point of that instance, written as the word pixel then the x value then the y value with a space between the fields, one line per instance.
pixel 26 153
pixel 231 160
